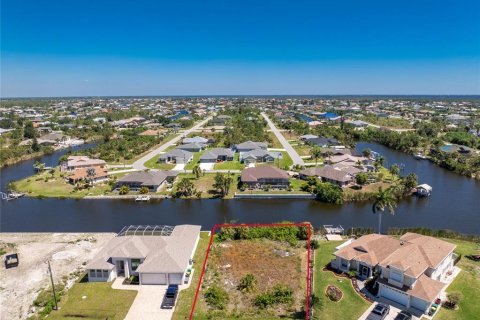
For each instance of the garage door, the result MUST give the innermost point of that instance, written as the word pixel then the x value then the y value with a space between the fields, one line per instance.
pixel 153 278
pixel 175 278
pixel 394 295
pixel 419 304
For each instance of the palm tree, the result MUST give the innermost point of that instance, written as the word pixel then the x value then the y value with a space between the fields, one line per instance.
pixel 197 171
pixel 379 162
pixel 316 153
pixel 383 199
pixel 367 153
pixel 394 170
pixel 90 175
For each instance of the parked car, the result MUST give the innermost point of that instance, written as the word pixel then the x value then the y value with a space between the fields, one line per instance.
pixel 380 312
pixel 404 315
pixel 170 297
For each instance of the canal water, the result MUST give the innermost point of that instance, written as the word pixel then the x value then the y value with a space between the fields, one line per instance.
pixel 454 204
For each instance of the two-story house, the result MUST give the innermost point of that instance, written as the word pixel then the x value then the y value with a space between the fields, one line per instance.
pixel 411 268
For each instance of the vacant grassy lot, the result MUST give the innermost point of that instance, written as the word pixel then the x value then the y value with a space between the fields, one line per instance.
pixel 467 282
pixel 271 262
pixel 100 302
pixel 204 184
pixel 185 298
pixel 46 185
pixel 275 143
pixel 351 306
pixel 153 164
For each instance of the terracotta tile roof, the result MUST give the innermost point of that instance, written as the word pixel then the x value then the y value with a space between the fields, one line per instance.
pixel 425 288
pixel 81 173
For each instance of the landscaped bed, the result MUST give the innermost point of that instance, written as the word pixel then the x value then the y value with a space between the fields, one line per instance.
pixel 253 278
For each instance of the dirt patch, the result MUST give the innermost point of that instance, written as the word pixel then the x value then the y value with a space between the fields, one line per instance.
pixel 271 262
pixel 67 252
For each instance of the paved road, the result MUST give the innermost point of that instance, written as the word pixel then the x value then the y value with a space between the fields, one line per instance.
pixel 139 164
pixel 293 154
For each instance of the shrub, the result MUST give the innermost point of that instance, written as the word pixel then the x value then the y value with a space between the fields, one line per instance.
pixel 124 190
pixel 143 190
pixel 279 294
pixel 352 273
pixel 454 297
pixel 216 297
pixel 248 283
pixel 314 244
pixel 334 293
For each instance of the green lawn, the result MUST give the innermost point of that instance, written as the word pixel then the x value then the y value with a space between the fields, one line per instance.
pixel 153 164
pixel 275 143
pixel 101 302
pixel 194 162
pixel 185 297
pixel 204 184
pixel 467 282
pixel 352 306
pixel 36 186
pixel 230 165
pixel 302 149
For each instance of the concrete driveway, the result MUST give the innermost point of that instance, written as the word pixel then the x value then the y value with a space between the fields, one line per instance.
pixel 394 311
pixel 147 304
pixel 206 166
pixel 179 167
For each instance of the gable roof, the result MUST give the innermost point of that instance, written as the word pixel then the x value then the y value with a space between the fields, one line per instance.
pixel 215 153
pixel 147 178
pixel 176 153
pixel 162 254
pixel 328 172
pixel 263 172
pixel 250 145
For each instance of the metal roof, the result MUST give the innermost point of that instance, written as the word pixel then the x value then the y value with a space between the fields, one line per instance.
pixel 147 230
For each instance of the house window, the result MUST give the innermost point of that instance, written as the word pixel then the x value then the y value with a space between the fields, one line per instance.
pixel 135 264
pixel 396 276
pixel 91 274
pixel 104 273
pixel 344 263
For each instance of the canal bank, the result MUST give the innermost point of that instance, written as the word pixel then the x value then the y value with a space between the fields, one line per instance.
pixel 453 205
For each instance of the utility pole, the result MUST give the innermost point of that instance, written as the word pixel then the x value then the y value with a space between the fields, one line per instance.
pixel 53 286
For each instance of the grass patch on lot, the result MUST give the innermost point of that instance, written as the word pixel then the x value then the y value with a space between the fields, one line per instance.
pixel 230 165
pixel 352 306
pixel 44 185
pixel 467 282
pixel 185 297
pixel 275 143
pixel 302 149
pixel 153 164
pixel 231 261
pixel 101 302
pixel 194 162
pixel 204 184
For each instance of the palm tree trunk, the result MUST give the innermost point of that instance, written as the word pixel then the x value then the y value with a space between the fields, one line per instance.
pixel 379 222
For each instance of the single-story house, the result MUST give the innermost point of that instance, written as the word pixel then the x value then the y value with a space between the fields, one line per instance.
pixel 153 180
pixel 328 174
pixel 53 138
pixel 308 136
pixel 221 120
pixel 322 142
pixel 192 147
pixel 160 255
pixel 259 177
pixel 260 155
pixel 176 156
pixel 411 268
pixel 195 139
pixel 249 146
pixel 216 155
pixel 348 159
pixel 74 162
pixel 81 174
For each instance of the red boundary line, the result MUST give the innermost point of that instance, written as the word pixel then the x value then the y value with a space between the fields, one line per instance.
pixel 216 226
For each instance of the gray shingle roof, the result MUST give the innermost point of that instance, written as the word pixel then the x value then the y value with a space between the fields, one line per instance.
pixel 147 178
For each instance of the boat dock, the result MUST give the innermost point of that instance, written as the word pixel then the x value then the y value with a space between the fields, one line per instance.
pixel 11 195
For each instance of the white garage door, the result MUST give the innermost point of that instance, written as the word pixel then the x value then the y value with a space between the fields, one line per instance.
pixel 394 295
pixel 175 278
pixel 154 278
pixel 419 304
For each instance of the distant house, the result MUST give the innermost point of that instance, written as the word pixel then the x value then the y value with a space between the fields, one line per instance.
pixel 176 156
pixel 153 180
pixel 44 129
pixel 216 155
pixel 328 174
pixel 160 255
pixel 75 162
pixel 347 159
pixel 192 147
pixel 308 136
pixel 53 138
pixel 260 155
pixel 411 268
pixel 221 120
pixel 249 146
pixel 322 142
pixel 195 139
pixel 81 174
pixel 262 176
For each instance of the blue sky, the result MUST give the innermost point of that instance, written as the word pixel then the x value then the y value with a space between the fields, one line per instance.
pixel 180 47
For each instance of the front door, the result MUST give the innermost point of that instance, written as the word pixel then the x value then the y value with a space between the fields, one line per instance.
pixel 364 271
pixel 121 268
